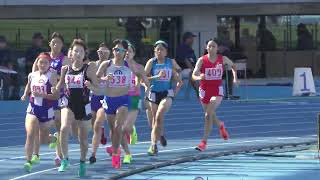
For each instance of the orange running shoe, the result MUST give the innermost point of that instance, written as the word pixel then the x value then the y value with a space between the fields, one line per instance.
pixel 223 132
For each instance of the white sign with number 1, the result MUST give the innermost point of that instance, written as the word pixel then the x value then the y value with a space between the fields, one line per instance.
pixel 303 84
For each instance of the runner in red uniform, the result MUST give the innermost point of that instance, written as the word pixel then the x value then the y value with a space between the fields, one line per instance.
pixel 209 70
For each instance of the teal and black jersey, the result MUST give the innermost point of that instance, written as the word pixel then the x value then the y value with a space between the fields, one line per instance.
pixel 164 82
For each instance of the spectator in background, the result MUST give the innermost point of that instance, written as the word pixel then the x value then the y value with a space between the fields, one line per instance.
pixel 304 37
pixel 33 52
pixel 135 32
pixel 11 83
pixel 166 32
pixel 266 40
pixel 186 58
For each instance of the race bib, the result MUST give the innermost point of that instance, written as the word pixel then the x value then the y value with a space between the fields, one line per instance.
pixel 118 81
pixel 213 73
pixel 133 82
pixel 39 89
pixel 166 76
pixel 74 81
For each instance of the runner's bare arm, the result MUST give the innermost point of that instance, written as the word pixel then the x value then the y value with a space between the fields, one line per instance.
pixel 196 75
pixel 148 68
pixel 143 76
pixel 27 89
pixel 61 81
pixel 53 81
pixel 102 69
pixel 177 78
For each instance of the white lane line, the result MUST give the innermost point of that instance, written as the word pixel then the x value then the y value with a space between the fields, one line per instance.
pixel 169 150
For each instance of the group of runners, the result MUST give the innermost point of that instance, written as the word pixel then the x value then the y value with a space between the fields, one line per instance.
pixel 74 95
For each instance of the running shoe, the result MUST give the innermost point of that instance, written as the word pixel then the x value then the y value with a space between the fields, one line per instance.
pixel 82 169
pixel 109 150
pixel 28 167
pixel 92 159
pixel 127 159
pixel 35 159
pixel 54 140
pixel 223 132
pixel 202 146
pixel 64 165
pixel 116 161
pixel 163 141
pixel 103 138
pixel 153 150
pixel 134 136
pixel 57 161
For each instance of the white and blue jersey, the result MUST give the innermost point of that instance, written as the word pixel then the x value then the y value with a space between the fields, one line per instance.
pixel 40 107
pixel 121 78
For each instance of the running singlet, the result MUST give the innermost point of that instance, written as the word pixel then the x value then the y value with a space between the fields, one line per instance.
pixel 56 63
pixel 121 75
pixel 212 72
pixel 40 84
pixel 164 82
pixel 75 84
pixel 134 90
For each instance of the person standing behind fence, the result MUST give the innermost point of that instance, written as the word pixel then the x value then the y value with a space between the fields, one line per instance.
pixel 186 58
pixel 10 82
pixel 33 51
pixel 305 40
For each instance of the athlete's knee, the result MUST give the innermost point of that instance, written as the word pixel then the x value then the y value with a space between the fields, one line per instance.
pixel 65 128
pixel 84 142
pixel 118 124
pixel 214 116
pixel 30 135
pixel 97 124
pixel 207 116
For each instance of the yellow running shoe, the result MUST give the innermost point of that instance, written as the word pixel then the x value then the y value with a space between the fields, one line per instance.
pixel 127 159
pixel 28 167
pixel 134 136
pixel 35 159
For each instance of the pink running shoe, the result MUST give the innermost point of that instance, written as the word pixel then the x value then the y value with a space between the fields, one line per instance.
pixel 202 146
pixel 109 150
pixel 57 161
pixel 116 161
